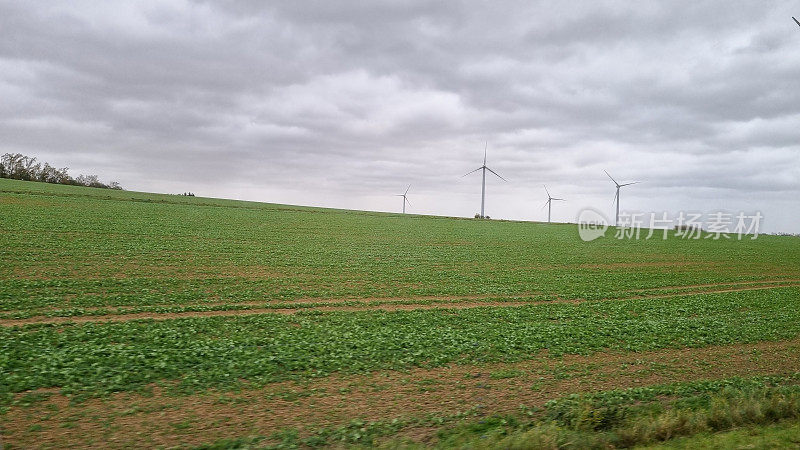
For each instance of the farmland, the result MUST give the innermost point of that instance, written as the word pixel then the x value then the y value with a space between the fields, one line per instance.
pixel 144 319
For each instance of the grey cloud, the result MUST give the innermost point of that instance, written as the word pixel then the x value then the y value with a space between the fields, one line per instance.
pixel 340 101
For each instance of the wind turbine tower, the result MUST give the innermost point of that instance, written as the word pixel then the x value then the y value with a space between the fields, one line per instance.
pixel 616 196
pixel 405 198
pixel 549 202
pixel 483 168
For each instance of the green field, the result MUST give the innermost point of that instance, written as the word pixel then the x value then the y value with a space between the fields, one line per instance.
pixel 135 319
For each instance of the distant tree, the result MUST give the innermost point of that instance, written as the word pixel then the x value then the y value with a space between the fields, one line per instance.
pixel 31 168
pixel 90 181
pixel 49 174
pixel 20 167
pixel 17 166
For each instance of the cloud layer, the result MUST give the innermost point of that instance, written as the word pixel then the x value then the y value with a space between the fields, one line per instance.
pixel 345 103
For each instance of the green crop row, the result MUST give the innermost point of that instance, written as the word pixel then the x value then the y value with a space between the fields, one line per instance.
pixel 221 351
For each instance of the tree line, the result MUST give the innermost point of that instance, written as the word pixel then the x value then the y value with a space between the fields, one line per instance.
pixel 20 167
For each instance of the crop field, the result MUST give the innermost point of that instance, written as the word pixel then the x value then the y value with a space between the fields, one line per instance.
pixel 145 320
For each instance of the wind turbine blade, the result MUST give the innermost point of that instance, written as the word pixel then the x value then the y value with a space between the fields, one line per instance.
pixel 479 168
pixel 616 196
pixel 628 184
pixel 485 146
pixel 490 170
pixel 612 178
pixel 563 200
pixel 545 204
pixel 795 21
pixel 406 199
pixel 409 187
pixel 548 192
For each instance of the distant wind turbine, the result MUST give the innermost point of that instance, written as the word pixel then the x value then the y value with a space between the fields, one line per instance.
pixel 483 182
pixel 616 196
pixel 795 21
pixel 405 198
pixel 549 203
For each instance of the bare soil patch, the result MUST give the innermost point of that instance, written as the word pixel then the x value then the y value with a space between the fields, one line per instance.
pixel 10 200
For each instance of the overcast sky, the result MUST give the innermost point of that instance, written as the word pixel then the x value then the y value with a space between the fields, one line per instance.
pixel 345 103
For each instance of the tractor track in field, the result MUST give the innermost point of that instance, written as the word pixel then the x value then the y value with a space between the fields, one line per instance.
pixel 248 312
pixel 714 285
pixel 723 288
pixel 129 419
pixel 311 301
pixel 396 305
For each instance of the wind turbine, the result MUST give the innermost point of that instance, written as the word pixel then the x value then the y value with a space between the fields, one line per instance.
pixel 483 180
pixel 616 197
pixel 795 21
pixel 549 203
pixel 405 198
